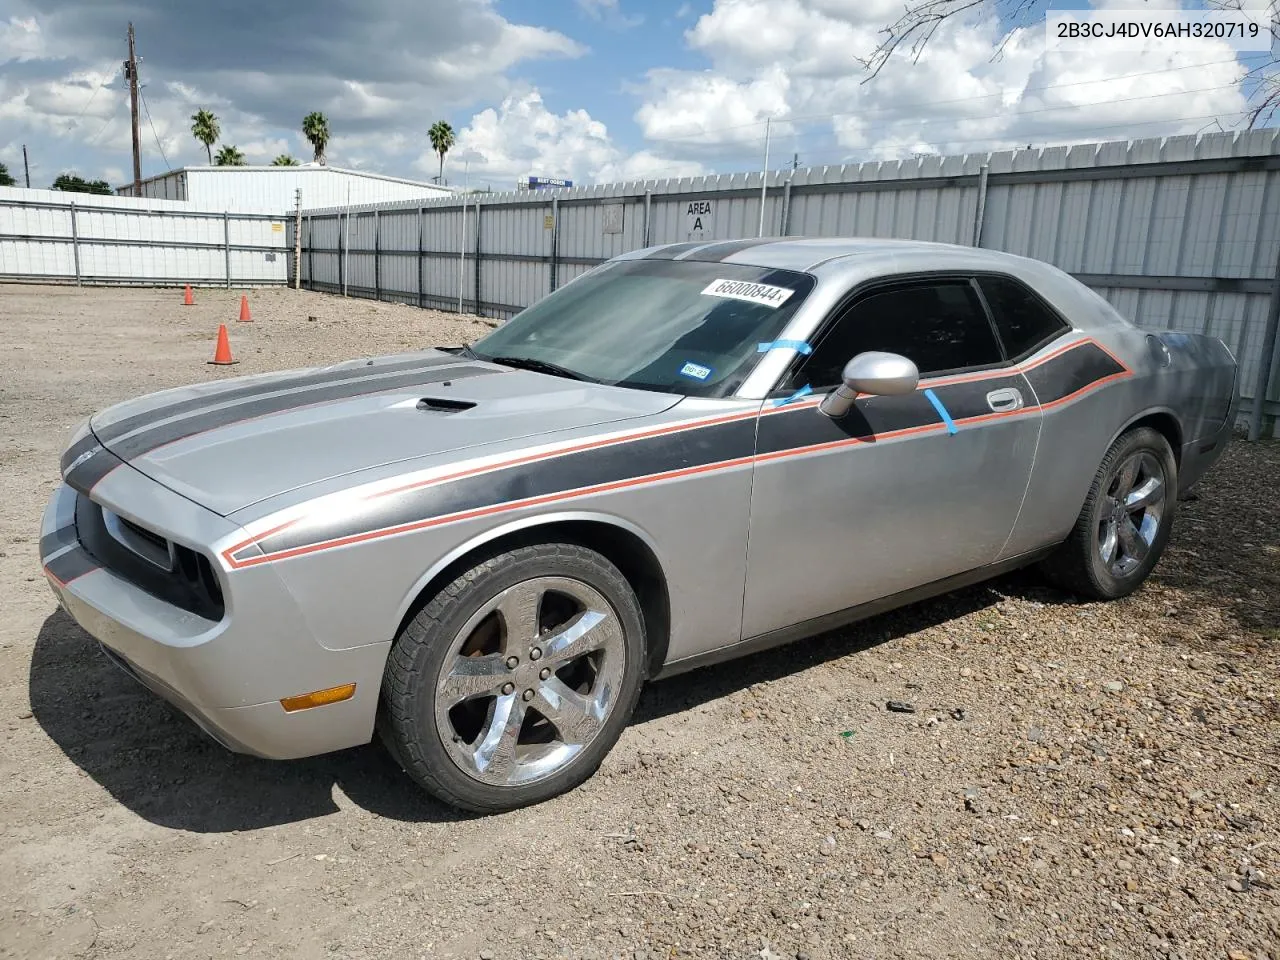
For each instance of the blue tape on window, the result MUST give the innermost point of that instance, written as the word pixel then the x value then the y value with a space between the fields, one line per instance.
pixel 802 392
pixel 799 346
pixel 942 411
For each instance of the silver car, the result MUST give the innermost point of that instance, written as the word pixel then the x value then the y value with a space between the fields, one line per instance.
pixel 688 454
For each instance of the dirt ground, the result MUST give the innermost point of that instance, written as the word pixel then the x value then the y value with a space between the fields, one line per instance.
pixel 1077 780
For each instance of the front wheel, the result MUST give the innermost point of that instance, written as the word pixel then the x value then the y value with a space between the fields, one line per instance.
pixel 514 681
pixel 1125 523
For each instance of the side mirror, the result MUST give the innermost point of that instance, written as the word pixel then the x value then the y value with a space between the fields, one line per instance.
pixel 873 372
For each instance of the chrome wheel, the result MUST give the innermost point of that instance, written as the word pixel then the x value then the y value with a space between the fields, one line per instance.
pixel 529 681
pixel 1131 513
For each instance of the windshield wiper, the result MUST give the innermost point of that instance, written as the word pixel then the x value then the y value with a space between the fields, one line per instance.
pixel 540 366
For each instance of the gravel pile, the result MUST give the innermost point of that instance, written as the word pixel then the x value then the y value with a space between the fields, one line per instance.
pixel 1000 773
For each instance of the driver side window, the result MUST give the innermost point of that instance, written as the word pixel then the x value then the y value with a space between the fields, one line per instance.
pixel 940 325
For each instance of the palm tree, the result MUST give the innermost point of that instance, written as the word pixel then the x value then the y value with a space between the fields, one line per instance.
pixel 442 141
pixel 284 160
pixel 229 156
pixel 204 127
pixel 316 129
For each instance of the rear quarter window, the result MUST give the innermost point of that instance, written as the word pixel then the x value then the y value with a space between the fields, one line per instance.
pixel 1024 321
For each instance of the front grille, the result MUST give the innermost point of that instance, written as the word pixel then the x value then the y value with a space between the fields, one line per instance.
pixel 188 582
pixel 145 534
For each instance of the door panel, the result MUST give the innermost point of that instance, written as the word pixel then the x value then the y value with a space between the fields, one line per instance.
pixel 885 499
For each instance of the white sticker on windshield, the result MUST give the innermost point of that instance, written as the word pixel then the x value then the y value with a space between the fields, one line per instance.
pixel 751 292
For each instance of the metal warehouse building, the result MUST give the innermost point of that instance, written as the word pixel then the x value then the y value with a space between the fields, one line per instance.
pixel 272 188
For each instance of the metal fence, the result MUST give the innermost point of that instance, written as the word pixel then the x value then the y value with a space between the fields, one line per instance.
pixel 49 236
pixel 1179 233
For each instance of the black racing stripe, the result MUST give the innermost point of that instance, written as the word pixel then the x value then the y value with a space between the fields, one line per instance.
pixel 76 450
pixel 1072 371
pixel 148 440
pixel 62 537
pixel 616 462
pixel 873 417
pixel 671 251
pixel 966 400
pixel 71 565
pixel 89 472
pixel 301 381
pixel 722 251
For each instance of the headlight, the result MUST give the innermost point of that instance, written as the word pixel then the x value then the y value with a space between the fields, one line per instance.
pixel 80 431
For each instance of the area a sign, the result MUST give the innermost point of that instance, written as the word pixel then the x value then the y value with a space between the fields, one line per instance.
pixel 699 219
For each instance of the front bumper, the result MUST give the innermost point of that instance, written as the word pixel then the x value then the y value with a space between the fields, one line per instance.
pixel 227 675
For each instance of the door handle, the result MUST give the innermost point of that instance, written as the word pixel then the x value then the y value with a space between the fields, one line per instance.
pixel 1005 399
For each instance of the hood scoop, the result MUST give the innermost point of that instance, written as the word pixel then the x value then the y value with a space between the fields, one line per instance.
pixel 443 405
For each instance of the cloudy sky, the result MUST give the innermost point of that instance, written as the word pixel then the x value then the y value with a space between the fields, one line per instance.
pixel 595 90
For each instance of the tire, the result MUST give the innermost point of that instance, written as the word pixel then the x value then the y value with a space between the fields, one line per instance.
pixel 1078 565
pixel 546 640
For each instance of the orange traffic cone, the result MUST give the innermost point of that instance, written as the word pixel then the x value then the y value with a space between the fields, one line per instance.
pixel 222 353
pixel 244 310
pixel 187 299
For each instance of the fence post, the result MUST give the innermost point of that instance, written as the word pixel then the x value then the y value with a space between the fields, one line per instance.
pixel 555 240
pixel 311 251
pixel 297 240
pixel 342 253
pixel 421 301
pixel 477 267
pixel 1266 359
pixel 75 241
pixel 786 206
pixel 226 244
pixel 981 208
pixel 648 206
pixel 377 257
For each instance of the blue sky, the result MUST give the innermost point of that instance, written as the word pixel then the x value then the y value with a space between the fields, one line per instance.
pixel 596 90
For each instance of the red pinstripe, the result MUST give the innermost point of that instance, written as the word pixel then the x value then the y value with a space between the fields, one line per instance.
pixel 1022 368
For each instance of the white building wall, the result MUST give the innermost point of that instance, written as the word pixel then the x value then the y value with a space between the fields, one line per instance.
pixel 271 189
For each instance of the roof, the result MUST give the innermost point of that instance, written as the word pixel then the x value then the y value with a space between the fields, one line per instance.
pixel 296 168
pixel 843 262
pixel 807 253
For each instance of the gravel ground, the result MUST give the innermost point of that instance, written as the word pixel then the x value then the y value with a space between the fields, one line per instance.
pixel 1074 780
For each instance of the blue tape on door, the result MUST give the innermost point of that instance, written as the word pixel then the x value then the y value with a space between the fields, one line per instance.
pixel 802 392
pixel 799 346
pixel 942 411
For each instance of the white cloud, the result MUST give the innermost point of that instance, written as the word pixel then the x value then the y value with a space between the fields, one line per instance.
pixel 21 39
pixel 522 137
pixel 372 71
pixel 803 68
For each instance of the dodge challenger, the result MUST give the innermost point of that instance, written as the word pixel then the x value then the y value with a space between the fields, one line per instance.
pixel 479 554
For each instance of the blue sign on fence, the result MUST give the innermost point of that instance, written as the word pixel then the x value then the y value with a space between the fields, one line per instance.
pixel 536 183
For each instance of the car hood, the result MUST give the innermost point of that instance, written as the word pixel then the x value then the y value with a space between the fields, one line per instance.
pixel 233 443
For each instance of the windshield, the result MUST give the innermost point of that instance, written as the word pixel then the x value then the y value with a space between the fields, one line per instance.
pixel 673 326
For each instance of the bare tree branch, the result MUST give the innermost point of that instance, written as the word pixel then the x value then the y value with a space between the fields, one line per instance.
pixel 921 19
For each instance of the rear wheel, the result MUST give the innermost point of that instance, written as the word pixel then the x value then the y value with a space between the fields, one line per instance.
pixel 1125 523
pixel 515 680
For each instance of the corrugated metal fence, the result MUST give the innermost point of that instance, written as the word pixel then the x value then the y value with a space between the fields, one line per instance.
pixel 50 236
pixel 1181 232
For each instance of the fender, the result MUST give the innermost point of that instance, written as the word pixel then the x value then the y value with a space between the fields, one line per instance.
pixel 517 526
pixel 1151 411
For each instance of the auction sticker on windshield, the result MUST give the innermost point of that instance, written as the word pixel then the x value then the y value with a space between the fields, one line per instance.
pixel 751 292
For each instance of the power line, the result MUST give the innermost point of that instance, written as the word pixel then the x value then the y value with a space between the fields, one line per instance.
pixel 1083 131
pixel 889 124
pixel 94 95
pixel 159 146
pixel 935 103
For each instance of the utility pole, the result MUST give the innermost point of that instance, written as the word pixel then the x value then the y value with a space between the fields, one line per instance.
pixel 764 176
pixel 131 74
pixel 26 168
pixel 795 161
